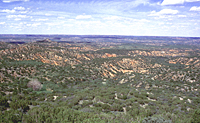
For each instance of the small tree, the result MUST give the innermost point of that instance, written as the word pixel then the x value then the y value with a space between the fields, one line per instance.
pixel 34 84
pixel 196 116
pixel 3 103
pixel 155 120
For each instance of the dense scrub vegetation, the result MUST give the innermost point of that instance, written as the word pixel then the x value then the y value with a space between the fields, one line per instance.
pixel 131 86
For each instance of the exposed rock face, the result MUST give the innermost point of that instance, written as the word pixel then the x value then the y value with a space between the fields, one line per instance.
pixel 51 56
pixel 122 81
pixel 186 61
pixel 65 54
pixel 172 62
pixel 62 57
pixel 165 53
pixel 109 55
pixel 125 65
pixel 16 72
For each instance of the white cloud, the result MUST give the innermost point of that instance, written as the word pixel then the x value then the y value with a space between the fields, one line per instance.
pixel 144 20
pixel 52 24
pixel 17 19
pixel 2 22
pixel 9 1
pixel 164 12
pixel 70 25
pixel 181 16
pixel 17 16
pixel 174 2
pixel 40 19
pixel 13 10
pixel 61 17
pixel 194 8
pixel 192 0
pixel 23 12
pixel 8 11
pixel 112 18
pixel 19 8
pixel 35 24
pixel 83 16
pixel 47 14
pixel 28 24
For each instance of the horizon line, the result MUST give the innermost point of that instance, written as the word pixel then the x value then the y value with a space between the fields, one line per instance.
pixel 107 35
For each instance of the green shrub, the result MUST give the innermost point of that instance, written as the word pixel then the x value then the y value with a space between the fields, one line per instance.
pixel 3 101
pixel 196 116
pixel 155 120
pixel 105 106
pixel 134 112
pixel 116 107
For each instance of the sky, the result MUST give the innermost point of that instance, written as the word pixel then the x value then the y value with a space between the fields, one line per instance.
pixel 101 17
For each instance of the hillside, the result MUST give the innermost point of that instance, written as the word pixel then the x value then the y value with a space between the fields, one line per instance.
pixel 99 79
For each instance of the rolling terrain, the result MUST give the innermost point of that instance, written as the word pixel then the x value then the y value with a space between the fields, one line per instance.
pixel 65 78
